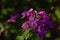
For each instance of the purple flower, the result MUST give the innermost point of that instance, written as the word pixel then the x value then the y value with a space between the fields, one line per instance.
pixel 41 30
pixel 42 13
pixel 25 26
pixel 31 18
pixel 26 13
pixel 13 17
pixel 38 20
pixel 28 24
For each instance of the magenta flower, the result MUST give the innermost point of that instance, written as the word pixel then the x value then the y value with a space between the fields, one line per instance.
pixel 38 20
pixel 25 26
pixel 26 13
pixel 13 17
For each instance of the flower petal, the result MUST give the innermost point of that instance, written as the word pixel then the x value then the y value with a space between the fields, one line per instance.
pixel 25 26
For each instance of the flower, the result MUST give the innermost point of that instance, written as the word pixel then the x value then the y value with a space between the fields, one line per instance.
pixel 26 13
pixel 30 18
pixel 13 17
pixel 38 20
pixel 43 26
pixel 25 26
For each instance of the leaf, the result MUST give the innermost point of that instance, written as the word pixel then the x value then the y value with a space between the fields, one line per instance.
pixel 50 1
pixel 35 37
pixel 57 12
pixel 53 18
pixel 19 38
pixel 26 32
pixel 48 35
pixel 1 27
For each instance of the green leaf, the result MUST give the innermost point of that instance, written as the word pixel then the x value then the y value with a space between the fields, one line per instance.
pixel 25 35
pixel 35 37
pixel 26 32
pixel 19 38
pixel 50 1
pixel 48 35
pixel 53 18
pixel 57 12
pixel 1 27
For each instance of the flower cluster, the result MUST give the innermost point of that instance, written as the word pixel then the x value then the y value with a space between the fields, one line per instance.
pixel 38 20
